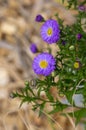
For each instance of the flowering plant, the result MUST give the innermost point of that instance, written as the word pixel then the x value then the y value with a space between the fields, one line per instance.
pixel 64 75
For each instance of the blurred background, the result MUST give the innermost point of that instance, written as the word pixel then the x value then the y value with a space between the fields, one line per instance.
pixel 18 30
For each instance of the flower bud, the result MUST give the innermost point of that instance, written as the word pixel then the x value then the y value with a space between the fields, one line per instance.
pixel 33 48
pixel 81 8
pixel 79 36
pixel 71 47
pixel 39 18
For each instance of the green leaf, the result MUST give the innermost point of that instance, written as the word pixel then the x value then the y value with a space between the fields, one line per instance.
pixel 79 114
pixel 58 107
pixel 28 88
pixel 49 96
pixel 41 108
pixel 69 96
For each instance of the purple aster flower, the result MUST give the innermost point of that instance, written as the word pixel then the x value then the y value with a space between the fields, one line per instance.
pixel 33 48
pixel 39 18
pixel 81 8
pixel 79 36
pixel 44 64
pixel 50 31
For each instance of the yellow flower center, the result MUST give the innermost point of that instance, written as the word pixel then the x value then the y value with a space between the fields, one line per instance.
pixel 76 65
pixel 43 64
pixel 49 31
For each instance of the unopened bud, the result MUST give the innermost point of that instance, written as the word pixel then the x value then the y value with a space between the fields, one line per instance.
pixel 71 48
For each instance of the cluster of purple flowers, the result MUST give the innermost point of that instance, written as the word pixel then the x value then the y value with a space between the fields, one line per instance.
pixel 44 63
